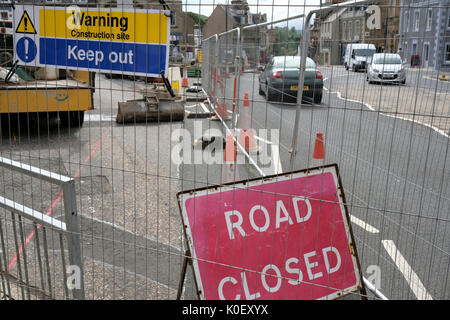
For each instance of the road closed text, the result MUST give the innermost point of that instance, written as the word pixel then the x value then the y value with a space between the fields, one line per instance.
pixel 295 270
pixel 271 277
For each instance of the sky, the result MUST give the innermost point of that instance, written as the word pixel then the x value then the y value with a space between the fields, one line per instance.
pixel 275 9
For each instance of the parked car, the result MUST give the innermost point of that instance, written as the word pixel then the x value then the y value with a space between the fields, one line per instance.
pixel 358 56
pixel 386 68
pixel 279 79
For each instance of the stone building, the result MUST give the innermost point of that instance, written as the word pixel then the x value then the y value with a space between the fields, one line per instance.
pixel 341 26
pixel 425 32
pixel 237 14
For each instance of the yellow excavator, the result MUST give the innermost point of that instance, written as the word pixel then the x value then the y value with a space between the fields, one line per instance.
pixel 66 99
pixel 43 93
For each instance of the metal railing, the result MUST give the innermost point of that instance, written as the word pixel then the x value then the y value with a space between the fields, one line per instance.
pixel 25 215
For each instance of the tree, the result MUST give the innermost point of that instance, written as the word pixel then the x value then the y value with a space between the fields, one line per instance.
pixel 286 41
pixel 198 18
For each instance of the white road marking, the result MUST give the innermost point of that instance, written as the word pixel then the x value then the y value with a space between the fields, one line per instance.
pixel 99 117
pixel 256 137
pixel 202 105
pixel 277 169
pixel 363 224
pixel 411 277
pixel 338 93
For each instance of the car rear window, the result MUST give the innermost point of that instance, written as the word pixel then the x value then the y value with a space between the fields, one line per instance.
pixel 292 62
pixel 387 60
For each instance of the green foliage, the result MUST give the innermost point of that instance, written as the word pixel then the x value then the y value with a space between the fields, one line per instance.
pixel 286 41
pixel 198 18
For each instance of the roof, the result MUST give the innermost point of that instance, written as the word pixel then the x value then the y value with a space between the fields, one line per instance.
pixel 237 12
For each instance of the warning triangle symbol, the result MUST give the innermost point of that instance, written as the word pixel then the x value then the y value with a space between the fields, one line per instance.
pixel 25 24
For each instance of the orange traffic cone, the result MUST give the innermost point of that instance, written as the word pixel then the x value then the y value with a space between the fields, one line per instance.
pixel 319 149
pixel 185 81
pixel 246 100
pixel 246 133
pixel 229 171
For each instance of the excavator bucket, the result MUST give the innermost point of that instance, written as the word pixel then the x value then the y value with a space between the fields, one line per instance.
pixel 159 103
pixel 150 109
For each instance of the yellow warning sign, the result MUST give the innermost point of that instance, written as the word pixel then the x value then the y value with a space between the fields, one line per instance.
pixel 25 24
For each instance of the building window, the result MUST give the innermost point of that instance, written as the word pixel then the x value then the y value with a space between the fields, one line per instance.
pixel 392 9
pixel 357 29
pixel 173 19
pixel 416 20
pixel 448 20
pixel 405 51
pixel 4 15
pixel 426 52
pixel 350 30
pixel 447 53
pixel 429 18
pixel 406 23
pixel 344 29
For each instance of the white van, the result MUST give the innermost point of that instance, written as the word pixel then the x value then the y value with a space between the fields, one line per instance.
pixel 358 55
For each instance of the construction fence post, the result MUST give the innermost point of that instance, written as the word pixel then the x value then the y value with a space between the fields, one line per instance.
pixel 73 237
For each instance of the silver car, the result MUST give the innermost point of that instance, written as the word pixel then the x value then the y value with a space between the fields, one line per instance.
pixel 386 68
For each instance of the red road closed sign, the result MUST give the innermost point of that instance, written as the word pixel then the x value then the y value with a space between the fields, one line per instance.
pixel 283 237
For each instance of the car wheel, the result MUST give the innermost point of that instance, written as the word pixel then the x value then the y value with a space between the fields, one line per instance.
pixel 261 92
pixel 404 81
pixel 270 96
pixel 318 98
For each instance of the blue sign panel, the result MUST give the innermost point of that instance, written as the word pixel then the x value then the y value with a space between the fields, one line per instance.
pixel 102 55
